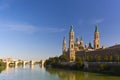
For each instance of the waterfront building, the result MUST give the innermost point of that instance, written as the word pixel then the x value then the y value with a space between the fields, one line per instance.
pixel 77 46
pixel 8 59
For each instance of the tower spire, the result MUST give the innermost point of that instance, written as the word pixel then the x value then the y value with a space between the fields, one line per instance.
pixel 71 28
pixel 96 28
pixel 71 44
pixel 64 45
pixel 96 38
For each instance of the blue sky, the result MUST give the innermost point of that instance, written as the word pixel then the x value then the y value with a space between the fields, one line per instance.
pixel 34 29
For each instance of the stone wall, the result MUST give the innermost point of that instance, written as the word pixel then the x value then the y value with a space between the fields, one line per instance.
pixel 109 54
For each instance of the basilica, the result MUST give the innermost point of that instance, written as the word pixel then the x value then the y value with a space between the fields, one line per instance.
pixel 77 46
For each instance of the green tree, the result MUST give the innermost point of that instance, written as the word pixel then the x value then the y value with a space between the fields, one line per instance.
pixel 2 65
pixel 79 62
pixel 98 58
pixel 88 58
pixel 91 58
pixel 63 58
pixel 52 61
pixel 79 59
pixel 106 58
pixel 117 58
pixel 111 58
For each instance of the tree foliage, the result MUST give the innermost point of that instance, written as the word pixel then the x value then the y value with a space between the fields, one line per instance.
pixel 98 58
pixel 64 58
pixel 79 62
pixel 2 65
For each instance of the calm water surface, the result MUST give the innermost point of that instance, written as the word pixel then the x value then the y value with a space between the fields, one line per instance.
pixel 39 73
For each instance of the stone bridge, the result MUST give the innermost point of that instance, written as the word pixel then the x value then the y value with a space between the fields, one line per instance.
pixel 24 62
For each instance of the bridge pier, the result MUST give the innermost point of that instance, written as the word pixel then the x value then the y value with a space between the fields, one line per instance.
pixel 42 62
pixel 32 62
pixel 7 65
pixel 24 63
pixel 16 64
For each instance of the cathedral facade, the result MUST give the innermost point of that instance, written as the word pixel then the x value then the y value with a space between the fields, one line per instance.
pixel 78 45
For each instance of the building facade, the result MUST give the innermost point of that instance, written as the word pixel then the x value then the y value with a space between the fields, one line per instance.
pixel 77 45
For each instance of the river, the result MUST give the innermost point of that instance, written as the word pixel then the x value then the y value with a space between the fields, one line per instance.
pixel 40 73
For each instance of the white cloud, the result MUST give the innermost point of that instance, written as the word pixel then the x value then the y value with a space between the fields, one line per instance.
pixel 91 21
pixel 28 28
pixel 99 21
pixel 18 27
pixel 51 29
pixel 96 20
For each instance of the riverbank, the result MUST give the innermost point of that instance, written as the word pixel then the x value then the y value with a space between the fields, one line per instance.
pixel 2 66
pixel 108 68
pixel 113 70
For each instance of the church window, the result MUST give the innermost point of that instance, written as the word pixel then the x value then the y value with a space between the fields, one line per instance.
pixel 71 46
pixel 97 46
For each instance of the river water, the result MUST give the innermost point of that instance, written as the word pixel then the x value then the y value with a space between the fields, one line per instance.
pixel 40 73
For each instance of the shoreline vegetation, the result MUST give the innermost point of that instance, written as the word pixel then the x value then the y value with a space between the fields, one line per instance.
pixel 62 62
pixel 2 66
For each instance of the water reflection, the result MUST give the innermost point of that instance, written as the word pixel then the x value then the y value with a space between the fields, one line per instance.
pixel 2 68
pixel 77 75
pixel 31 66
pixel 42 67
pixel 23 66
pixel 38 72
pixel 63 74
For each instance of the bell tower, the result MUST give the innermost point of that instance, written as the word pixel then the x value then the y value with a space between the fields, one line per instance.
pixel 64 46
pixel 96 38
pixel 71 44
